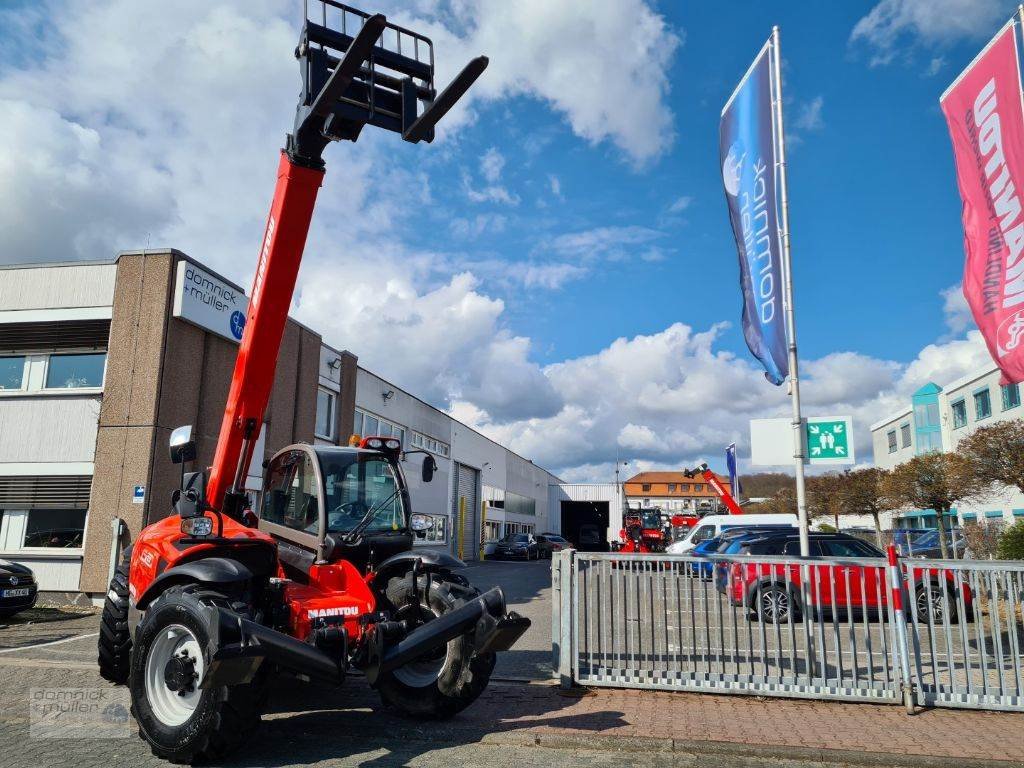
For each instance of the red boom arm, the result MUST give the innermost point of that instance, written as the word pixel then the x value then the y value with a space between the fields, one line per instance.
pixel 723 493
pixel 283 242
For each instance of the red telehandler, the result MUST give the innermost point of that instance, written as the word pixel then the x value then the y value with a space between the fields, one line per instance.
pixel 213 599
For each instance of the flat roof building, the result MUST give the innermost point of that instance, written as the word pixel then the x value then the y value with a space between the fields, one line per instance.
pixel 937 418
pixel 100 361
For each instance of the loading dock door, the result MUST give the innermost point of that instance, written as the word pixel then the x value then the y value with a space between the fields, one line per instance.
pixel 585 524
pixel 467 531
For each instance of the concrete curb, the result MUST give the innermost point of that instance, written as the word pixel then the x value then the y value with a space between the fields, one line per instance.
pixel 790 754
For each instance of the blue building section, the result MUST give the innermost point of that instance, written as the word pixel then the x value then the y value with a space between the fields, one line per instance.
pixel 927 419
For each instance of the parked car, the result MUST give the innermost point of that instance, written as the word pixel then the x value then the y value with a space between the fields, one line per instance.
pixel 589 539
pixel 18 588
pixel 519 546
pixel 551 542
pixel 774 591
pixel 722 543
pixel 713 525
pixel 924 542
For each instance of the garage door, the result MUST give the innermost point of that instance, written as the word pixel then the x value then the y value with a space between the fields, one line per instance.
pixel 466 532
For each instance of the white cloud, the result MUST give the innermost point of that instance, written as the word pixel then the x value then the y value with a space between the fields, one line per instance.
pixel 491 165
pixel 615 243
pixel 955 309
pixel 491 193
pixel 808 116
pixel 680 204
pixel 894 26
pixel 555 185
pixel 603 66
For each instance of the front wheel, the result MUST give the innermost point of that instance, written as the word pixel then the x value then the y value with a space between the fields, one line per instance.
pixel 440 684
pixel 115 641
pixel 182 722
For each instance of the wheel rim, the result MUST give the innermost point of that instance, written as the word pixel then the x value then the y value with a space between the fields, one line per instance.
pixel 774 604
pixel 426 670
pixel 926 607
pixel 174 642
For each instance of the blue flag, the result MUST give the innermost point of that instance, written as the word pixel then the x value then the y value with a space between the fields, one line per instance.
pixel 747 151
pixel 734 478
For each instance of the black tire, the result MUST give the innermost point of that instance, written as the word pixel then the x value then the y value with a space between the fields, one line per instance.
pixel 222 717
pixel 115 643
pixel 773 604
pixel 443 685
pixel 938 605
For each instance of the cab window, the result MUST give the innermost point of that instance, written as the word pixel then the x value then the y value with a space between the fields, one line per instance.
pixel 703 533
pixel 356 488
pixel 290 492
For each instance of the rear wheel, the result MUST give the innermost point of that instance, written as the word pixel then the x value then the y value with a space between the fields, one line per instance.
pixel 775 604
pixel 442 683
pixel 115 643
pixel 933 603
pixel 182 722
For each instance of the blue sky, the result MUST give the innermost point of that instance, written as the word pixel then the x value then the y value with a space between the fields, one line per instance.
pixel 557 269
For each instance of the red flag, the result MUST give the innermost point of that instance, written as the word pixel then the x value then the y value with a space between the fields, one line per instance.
pixel 986 122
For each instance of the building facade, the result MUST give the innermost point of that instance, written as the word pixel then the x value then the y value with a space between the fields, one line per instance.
pixel 673 492
pixel 100 361
pixel 937 419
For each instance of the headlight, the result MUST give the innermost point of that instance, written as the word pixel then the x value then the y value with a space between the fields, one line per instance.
pixel 197 527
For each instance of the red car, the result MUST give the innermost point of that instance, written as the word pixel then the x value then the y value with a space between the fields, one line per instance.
pixel 774 590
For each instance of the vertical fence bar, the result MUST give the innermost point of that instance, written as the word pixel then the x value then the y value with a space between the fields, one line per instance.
pixel 566 667
pixel 902 649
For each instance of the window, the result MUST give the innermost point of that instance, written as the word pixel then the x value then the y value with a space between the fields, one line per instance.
pixel 959 409
pixel 290 498
pixel 671 487
pixel 429 444
pixel 891 437
pixel 982 404
pixel 357 424
pixel 370 425
pixel 926 415
pixel 850 548
pixel 55 528
pixel 905 435
pixel 684 487
pixel 12 373
pixel 357 486
pixel 492 530
pixel 520 505
pixel 76 371
pixel 646 487
pixel 324 414
pixel 929 441
pixel 703 533
pixel 1011 396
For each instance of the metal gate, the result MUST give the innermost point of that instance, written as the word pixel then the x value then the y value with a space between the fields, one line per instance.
pixel 849 629
pixel 465 519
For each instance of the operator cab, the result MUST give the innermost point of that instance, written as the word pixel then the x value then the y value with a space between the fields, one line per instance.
pixel 329 503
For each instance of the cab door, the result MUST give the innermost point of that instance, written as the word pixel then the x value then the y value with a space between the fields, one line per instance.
pixel 291 509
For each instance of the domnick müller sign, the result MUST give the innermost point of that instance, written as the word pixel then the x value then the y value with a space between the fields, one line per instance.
pixel 209 302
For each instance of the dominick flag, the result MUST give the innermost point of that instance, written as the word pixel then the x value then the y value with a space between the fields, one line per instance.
pixel 734 478
pixel 747 146
pixel 986 122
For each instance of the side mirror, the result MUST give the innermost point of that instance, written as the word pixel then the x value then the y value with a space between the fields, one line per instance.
pixel 182 445
pixel 429 467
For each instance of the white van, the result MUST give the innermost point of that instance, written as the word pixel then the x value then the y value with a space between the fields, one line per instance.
pixel 712 525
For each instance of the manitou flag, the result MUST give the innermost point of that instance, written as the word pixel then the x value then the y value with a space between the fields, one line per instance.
pixel 986 123
pixel 747 147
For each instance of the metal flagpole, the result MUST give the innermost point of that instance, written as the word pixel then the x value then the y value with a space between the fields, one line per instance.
pixel 787 282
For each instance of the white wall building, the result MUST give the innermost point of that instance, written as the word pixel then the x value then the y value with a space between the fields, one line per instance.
pixel 481 490
pixel 938 418
pixel 54 329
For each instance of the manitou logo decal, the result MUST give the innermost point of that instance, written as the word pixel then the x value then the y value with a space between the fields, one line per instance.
pixel 147 557
pixel 321 613
pixel 261 270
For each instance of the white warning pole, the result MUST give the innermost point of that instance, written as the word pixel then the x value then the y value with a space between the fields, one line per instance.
pixel 787 297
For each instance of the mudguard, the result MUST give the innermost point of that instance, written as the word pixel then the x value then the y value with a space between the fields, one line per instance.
pixel 208 571
pixel 430 560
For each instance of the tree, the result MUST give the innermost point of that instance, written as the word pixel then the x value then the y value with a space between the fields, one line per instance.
pixel 997 453
pixel 934 481
pixel 781 502
pixel 1011 543
pixel 825 496
pixel 863 494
